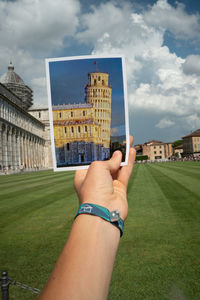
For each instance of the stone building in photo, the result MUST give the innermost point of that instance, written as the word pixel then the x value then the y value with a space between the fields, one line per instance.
pixel 22 136
pixel 82 131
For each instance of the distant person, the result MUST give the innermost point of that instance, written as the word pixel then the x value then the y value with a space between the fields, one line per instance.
pixel 84 268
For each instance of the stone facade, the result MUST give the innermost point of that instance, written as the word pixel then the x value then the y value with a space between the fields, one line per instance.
pixel 82 131
pixel 80 153
pixel 168 150
pixel 21 136
pixel 154 150
pixel 191 143
pixel 42 114
pixel 157 150
pixel 24 138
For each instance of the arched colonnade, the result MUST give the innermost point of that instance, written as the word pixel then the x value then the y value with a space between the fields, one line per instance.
pixel 19 149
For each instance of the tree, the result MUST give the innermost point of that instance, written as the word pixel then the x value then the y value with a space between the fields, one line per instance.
pixel 177 143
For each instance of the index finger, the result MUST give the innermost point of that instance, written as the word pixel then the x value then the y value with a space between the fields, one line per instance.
pixel 125 172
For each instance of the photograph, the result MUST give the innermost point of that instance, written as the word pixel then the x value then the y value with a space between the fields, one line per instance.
pixel 88 110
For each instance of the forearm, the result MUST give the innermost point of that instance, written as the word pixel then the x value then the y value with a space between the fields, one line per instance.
pixel 84 268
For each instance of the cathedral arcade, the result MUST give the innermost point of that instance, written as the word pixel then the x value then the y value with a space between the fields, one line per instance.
pixel 21 135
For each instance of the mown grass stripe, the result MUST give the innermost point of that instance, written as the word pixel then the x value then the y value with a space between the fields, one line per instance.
pixel 12 183
pixel 178 191
pixel 144 239
pixel 182 170
pixel 159 252
pixel 32 199
pixel 191 183
pixel 25 185
pixel 158 246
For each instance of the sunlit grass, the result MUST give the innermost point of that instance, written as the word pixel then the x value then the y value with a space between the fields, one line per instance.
pixel 158 257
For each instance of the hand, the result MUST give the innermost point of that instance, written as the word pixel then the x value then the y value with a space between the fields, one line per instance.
pixel 105 183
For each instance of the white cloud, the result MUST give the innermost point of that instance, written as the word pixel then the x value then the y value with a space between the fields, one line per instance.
pixel 176 20
pixel 193 121
pixel 40 90
pixel 164 123
pixel 33 29
pixel 41 81
pixel 37 25
pixel 156 81
pixel 192 65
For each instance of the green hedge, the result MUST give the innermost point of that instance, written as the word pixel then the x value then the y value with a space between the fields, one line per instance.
pixel 141 157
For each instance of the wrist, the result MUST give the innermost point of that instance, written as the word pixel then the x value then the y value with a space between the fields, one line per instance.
pixel 96 226
pixel 113 217
pixel 112 203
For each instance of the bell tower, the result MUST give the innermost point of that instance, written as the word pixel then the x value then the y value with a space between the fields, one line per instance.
pixel 98 92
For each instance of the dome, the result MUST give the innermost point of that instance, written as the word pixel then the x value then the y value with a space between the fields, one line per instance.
pixel 11 77
pixel 16 85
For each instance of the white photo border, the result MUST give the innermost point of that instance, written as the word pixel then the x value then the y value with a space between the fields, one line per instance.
pixel 47 61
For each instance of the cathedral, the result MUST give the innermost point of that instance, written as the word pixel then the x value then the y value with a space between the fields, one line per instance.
pixel 24 130
pixel 82 131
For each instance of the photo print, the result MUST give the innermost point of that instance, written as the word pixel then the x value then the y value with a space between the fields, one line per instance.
pixel 88 110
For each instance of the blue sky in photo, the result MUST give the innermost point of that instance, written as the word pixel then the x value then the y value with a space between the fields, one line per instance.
pixel 69 77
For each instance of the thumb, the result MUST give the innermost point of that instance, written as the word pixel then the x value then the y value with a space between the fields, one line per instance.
pixel 113 164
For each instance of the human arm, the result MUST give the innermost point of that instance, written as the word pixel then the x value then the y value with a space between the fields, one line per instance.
pixel 84 268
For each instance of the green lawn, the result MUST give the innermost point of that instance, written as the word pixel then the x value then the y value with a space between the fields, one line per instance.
pixel 159 254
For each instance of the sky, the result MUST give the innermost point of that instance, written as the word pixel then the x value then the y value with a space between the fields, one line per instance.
pixel 68 79
pixel 160 40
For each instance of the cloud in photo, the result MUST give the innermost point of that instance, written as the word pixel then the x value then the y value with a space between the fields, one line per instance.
pixel 114 131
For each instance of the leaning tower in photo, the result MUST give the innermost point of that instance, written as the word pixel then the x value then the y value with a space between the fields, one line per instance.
pixel 98 92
